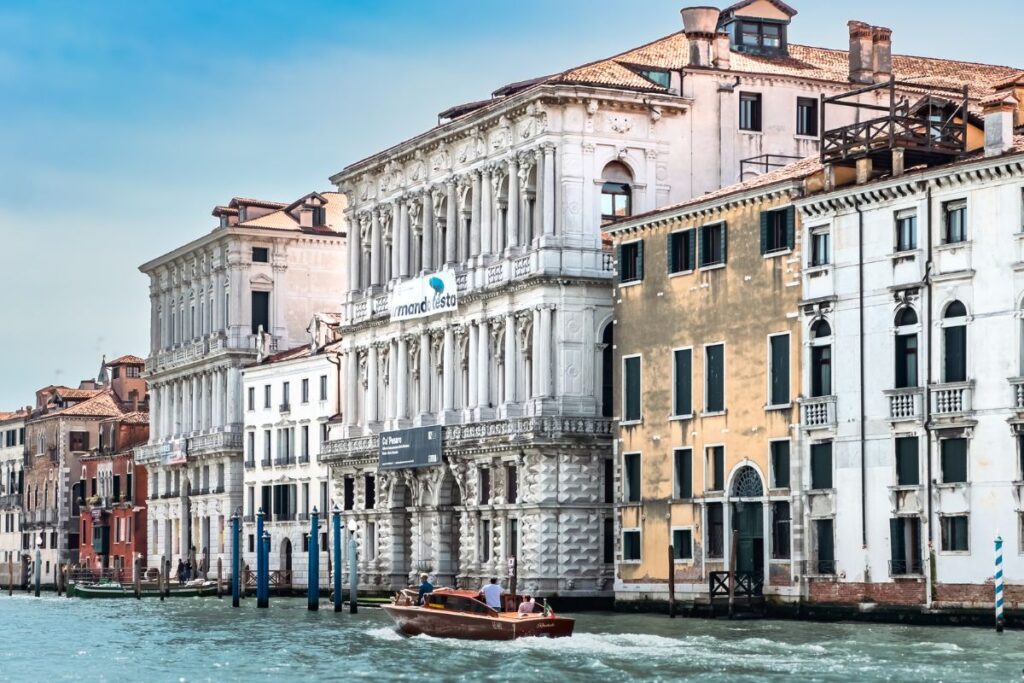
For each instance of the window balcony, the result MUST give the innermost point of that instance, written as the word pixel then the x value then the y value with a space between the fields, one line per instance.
pixel 818 413
pixel 907 500
pixel 905 568
pixel 285 407
pixel 250 464
pixel 284 461
pixel 821 567
pixel 1017 386
pixel 905 404
pixel 952 399
pixel 249 519
pixel 304 459
pixel 265 462
pixel 821 504
pixel 953 499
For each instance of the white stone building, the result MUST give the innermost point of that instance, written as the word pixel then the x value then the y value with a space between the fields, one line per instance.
pixel 914 356
pixel 12 460
pixel 511 193
pixel 291 398
pixel 218 303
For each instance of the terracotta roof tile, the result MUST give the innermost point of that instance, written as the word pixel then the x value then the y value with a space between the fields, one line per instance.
pixel 127 360
pixel 68 392
pixel 248 201
pixel 102 405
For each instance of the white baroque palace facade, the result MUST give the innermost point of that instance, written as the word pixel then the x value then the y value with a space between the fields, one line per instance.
pixel 219 303
pixel 12 482
pixel 510 193
pixel 291 398
pixel 913 424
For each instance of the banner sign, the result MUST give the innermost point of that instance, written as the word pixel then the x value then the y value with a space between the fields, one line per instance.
pixel 173 453
pixel 406 448
pixel 423 296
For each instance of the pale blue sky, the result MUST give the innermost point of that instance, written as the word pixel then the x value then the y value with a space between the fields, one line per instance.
pixel 123 123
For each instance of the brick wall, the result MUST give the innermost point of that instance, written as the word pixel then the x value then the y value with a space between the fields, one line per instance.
pixel 894 593
pixel 978 594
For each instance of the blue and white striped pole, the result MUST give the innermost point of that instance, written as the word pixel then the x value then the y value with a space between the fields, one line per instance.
pixel 999 583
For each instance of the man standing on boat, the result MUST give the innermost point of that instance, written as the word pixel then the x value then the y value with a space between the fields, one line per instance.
pixel 425 588
pixel 492 594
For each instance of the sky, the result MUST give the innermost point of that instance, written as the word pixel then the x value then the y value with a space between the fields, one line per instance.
pixel 122 124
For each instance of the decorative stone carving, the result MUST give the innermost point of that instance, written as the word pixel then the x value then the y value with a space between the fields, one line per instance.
pixel 441 160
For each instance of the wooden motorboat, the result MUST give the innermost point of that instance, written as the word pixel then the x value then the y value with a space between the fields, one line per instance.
pixel 113 589
pixel 451 613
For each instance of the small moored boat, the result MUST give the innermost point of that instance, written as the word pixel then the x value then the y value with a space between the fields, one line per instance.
pixel 113 589
pixel 451 613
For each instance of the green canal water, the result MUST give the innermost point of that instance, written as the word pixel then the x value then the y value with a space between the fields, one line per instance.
pixel 196 639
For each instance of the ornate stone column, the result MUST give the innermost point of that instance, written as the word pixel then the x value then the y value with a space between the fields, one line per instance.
pixel 486 212
pixel 475 222
pixel 427 251
pixel 401 380
pixel 425 373
pixel 352 370
pixel 512 217
pixel 376 249
pixel 354 249
pixel 538 352
pixel 392 395
pixel 545 350
pixel 233 383
pixel 549 190
pixel 451 223
pixel 471 359
pixel 448 376
pixel 510 358
pixel 372 381
pixel 483 357
pixel 404 237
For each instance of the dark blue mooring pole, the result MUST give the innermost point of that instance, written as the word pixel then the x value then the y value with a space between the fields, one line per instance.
pixel 263 597
pixel 313 584
pixel 337 557
pixel 236 568
pixel 259 556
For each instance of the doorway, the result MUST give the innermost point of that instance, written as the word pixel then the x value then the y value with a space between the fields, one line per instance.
pixel 748 521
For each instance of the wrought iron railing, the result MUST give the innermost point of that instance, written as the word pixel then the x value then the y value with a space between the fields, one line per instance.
pixel 905 567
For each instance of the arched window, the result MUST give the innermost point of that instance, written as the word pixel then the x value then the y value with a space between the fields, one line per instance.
pixel 821 359
pixel 954 337
pixel 616 192
pixel 906 348
pixel 747 483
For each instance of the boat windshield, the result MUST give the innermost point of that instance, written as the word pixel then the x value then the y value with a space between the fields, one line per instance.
pixel 459 603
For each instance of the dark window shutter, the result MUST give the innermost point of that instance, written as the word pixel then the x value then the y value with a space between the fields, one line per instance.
pixel 725 257
pixel 897 546
pixel 791 227
pixel 673 267
pixel 620 261
pixel 956 353
pixel 683 382
pixel 779 370
pixel 764 231
pixel 700 245
pixel 640 260
pixel 691 240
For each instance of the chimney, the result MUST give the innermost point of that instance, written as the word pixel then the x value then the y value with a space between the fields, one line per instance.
pixel 306 216
pixel 700 24
pixel 999 110
pixel 862 53
pixel 723 52
pixel 881 40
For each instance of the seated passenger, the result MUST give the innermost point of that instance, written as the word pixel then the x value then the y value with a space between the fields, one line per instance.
pixel 527 605
pixel 425 588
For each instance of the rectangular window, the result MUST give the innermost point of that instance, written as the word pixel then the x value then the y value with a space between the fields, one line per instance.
pixel 954 460
pixel 486 540
pixel 906 360
pixel 511 484
pixel 305 391
pixel 266 395
pixel 712 246
pixel 780 464
pixel 631 477
pixel 807 116
pixel 778 230
pixel 682 252
pixel 484 479
pixel 750 111
pixel 631 262
pixel 715 531
pixel 820 247
pixel 682 371
pixel 907 470
pixel 609 540
pixel 349 493
pixel 954 222
pixel 716 467
pixel 370 486
pixel 906 231
pixel 260 312
pixel 778 359
pixel 260 255
pixel 609 480
pixel 251 398
pixel 714 378
pixel 905 546
pixel 955 353
pixel 323 387
pixel 683 481
pixel 825 555
pixel 781 522
pixel 821 370
pixel 631 368
pixel 286 393
pixel 682 544
pixel 821 466
pixel 954 534
pixel 305 442
pixel 631 545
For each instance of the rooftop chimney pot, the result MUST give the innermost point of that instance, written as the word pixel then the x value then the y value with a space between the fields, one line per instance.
pixel 999 111
pixel 700 24
pixel 881 42
pixel 862 57
pixel 723 53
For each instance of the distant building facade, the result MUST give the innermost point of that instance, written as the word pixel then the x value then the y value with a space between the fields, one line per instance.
pixel 219 303
pixel 12 482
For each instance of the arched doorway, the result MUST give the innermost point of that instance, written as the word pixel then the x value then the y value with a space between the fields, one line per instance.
pixel 748 521
pixel 447 545
pixel 286 555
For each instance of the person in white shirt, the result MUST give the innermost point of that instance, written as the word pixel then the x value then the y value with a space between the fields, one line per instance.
pixel 492 594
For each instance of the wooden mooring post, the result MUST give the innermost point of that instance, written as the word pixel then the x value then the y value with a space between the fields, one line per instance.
pixel 10 577
pixel 732 570
pixel 220 578
pixel 671 582
pixel 160 579
pixel 137 577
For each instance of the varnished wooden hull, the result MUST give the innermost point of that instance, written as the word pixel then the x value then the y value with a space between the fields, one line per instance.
pixel 414 621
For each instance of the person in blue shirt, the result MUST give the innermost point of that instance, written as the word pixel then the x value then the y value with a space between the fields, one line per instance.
pixel 425 588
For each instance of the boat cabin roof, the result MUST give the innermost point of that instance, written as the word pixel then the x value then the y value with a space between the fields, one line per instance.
pixel 458 601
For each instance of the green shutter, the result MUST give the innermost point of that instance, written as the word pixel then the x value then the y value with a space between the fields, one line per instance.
pixel 700 245
pixel 640 260
pixel 619 261
pixel 683 382
pixel 725 257
pixel 907 470
pixel 691 243
pixel 791 227
pixel 779 349
pixel 897 546
pixel 764 232
pixel 671 244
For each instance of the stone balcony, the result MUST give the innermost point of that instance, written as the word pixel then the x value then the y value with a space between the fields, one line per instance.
pixel 478 278
pixel 953 499
pixel 10 501
pixel 905 404
pixel 227 439
pixel 199 349
pixel 818 412
pixel 1017 389
pixel 952 399
pixel 907 500
pixel 526 429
